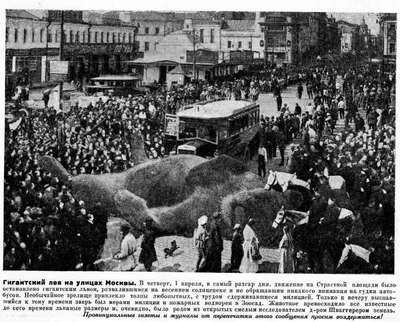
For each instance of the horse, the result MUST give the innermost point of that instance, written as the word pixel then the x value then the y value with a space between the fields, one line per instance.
pixel 282 181
pixel 315 238
pixel 354 259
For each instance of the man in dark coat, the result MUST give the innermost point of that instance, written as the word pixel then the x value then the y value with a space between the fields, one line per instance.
pixel 300 90
pixel 237 248
pixel 215 245
pixel 148 253
pixel 279 102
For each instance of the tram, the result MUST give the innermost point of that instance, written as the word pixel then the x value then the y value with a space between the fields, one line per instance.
pixel 216 127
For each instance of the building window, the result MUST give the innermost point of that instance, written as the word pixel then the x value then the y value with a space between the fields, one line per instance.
pixel 212 36
pixel 41 35
pixel 119 37
pixel 113 37
pixel 157 30
pixel 123 37
pixel 201 35
pixel 8 34
pixel 71 36
pixel 108 37
pixel 102 37
pixel 16 35
pixel 64 37
pixel 146 30
pixel 89 34
pixel 130 38
pixel 239 44
pixel 146 46
pixel 95 36
pixel 392 48
pixel 33 35
pixel 49 36
pixel 77 37
pixel 229 44
pixel 250 45
pixel 84 36
pixel 25 35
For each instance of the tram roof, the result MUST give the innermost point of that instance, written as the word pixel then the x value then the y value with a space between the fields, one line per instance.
pixel 217 109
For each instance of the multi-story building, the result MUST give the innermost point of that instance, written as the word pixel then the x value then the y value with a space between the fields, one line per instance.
pixel 354 38
pixel 388 34
pixel 281 37
pixel 28 47
pixel 91 49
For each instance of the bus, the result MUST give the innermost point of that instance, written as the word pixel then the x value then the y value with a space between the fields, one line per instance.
pixel 215 127
pixel 118 85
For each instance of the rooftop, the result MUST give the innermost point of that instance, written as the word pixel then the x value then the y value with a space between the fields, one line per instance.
pixel 217 109
pixel 20 14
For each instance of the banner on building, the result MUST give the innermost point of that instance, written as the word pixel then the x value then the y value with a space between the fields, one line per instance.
pixel 59 70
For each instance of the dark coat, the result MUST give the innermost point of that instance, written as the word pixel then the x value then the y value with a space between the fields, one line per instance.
pixel 148 253
pixel 214 247
pixel 237 251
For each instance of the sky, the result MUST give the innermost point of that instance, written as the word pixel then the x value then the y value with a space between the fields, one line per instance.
pixel 370 19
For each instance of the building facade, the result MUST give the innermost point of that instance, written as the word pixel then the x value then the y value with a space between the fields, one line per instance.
pixel 388 35
pixel 91 49
pixel 27 47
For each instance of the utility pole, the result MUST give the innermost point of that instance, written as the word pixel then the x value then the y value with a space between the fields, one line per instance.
pixel 61 49
pixel 194 54
pixel 60 56
pixel 265 49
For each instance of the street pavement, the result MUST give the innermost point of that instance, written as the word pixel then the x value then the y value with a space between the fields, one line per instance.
pixel 184 258
pixel 268 107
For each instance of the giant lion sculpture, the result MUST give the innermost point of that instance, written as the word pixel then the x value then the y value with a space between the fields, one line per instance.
pixel 176 191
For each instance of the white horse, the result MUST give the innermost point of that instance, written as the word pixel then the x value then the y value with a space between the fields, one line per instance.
pixel 295 217
pixel 358 251
pixel 298 218
pixel 283 179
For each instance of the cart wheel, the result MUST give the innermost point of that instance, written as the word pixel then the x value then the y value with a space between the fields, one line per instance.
pixel 246 155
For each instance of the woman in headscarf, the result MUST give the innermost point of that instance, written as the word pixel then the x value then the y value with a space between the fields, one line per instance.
pixel 251 257
pixel 286 264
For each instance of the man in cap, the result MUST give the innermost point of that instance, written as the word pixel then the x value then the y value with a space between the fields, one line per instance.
pixel 128 247
pixel 214 246
pixel 200 239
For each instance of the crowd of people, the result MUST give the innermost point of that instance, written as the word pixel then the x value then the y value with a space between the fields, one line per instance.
pixel 46 228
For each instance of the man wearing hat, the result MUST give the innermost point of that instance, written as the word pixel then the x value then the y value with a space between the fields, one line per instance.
pixel 128 247
pixel 200 239
pixel 214 246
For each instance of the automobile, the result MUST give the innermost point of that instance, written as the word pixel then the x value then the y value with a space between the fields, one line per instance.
pixel 117 85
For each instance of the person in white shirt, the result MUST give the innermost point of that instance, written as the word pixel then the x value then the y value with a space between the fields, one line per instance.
pixel 262 158
pixel 128 247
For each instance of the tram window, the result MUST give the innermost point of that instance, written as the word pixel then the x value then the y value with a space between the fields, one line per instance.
pixel 208 133
pixel 188 132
